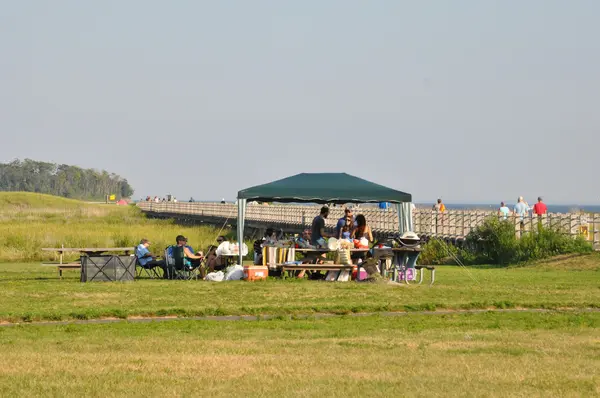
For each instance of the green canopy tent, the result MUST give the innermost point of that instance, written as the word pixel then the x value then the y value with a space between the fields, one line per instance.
pixel 324 188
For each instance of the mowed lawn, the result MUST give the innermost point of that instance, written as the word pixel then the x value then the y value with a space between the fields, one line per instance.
pixel 484 354
pixel 489 354
pixel 29 292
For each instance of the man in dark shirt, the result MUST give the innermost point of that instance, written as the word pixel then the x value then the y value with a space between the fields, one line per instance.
pixel 318 226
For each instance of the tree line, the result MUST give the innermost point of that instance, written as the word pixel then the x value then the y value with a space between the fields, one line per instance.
pixel 61 180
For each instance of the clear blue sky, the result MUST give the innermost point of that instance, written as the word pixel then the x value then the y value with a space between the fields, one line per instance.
pixel 473 101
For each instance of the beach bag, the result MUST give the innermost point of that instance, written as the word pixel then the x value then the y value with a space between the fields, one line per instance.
pixel 411 275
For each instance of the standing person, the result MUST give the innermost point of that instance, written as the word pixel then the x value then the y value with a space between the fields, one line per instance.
pixel 439 206
pixel 342 221
pixel 318 226
pixel 503 211
pixel 540 208
pixel 521 209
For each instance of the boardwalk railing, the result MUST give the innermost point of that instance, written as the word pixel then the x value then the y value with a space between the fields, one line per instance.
pixel 452 224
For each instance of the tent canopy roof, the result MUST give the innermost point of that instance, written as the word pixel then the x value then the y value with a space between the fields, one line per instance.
pixel 323 188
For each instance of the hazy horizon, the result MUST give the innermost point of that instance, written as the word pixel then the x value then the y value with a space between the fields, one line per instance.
pixel 473 102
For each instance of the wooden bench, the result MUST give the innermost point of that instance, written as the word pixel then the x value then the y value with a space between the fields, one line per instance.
pixel 63 266
pixel 317 267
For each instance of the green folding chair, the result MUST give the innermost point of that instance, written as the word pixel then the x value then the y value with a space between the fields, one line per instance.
pixel 178 265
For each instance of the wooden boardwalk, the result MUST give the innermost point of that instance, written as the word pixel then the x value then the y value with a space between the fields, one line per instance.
pixel 452 224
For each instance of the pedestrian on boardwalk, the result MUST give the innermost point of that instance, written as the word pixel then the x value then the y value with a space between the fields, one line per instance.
pixel 522 209
pixel 503 211
pixel 540 208
pixel 439 206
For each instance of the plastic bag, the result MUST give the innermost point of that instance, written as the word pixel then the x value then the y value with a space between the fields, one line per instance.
pixel 333 244
pixel 234 273
pixel 215 276
pixel 223 249
pixel 363 243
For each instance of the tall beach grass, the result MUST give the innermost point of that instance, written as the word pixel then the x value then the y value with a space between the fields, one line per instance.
pixel 29 222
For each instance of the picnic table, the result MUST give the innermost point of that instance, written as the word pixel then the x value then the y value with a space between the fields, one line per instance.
pixel 84 252
pixel 339 272
pixel 229 259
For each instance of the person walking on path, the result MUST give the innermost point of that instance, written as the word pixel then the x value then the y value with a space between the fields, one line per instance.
pixel 522 210
pixel 540 208
pixel 503 211
pixel 439 206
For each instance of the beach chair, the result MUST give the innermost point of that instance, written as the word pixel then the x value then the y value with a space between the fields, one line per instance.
pixel 151 272
pixel 178 266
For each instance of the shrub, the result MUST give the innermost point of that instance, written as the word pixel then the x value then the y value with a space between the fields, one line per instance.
pixel 547 243
pixel 495 242
pixel 437 252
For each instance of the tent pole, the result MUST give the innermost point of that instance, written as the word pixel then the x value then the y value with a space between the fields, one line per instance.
pixel 409 216
pixel 240 227
pixel 400 210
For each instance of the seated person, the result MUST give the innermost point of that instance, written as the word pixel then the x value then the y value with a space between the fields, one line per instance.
pixel 362 230
pixel 188 252
pixel 145 258
pixel 214 261
pixel 346 229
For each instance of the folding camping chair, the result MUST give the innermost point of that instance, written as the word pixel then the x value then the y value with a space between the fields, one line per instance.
pixel 151 272
pixel 178 266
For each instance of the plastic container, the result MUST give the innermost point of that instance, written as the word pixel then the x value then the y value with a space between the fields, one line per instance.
pixel 363 273
pixel 411 275
pixel 255 272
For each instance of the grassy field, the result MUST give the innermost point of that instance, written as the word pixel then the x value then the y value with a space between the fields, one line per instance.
pixel 31 292
pixel 531 355
pixel 418 354
pixel 31 221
